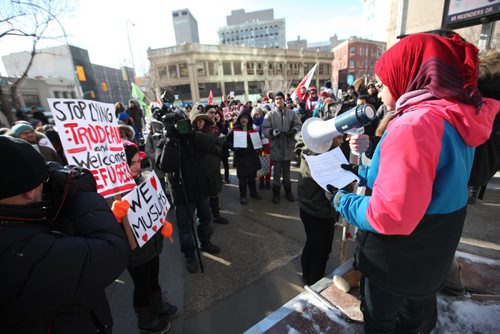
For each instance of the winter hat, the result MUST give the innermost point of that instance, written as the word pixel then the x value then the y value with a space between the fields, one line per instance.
pixel 195 114
pixel 20 128
pixel 132 149
pixel 26 167
pixel 123 116
pixel 279 94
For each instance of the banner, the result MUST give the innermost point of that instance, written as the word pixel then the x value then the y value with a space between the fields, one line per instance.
pixel 91 139
pixel 148 209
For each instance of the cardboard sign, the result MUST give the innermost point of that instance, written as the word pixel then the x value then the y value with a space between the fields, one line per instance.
pixel 148 209
pixel 91 139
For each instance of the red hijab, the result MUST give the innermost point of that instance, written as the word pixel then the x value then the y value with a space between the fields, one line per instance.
pixel 428 64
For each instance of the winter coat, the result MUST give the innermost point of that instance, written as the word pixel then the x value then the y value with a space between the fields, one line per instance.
pixel 411 224
pixel 246 159
pixel 310 196
pixel 150 249
pixel 53 282
pixel 285 120
pixel 193 155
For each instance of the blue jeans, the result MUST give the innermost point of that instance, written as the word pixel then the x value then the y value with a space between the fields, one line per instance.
pixel 385 312
pixel 204 230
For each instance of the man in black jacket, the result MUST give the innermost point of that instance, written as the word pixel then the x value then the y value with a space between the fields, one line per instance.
pixel 52 281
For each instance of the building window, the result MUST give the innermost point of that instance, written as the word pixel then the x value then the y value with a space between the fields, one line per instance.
pixel 226 68
pixel 172 72
pixel 200 68
pixel 176 14
pixel 73 95
pixel 250 68
pixel 352 50
pixel 351 64
pixel 320 69
pixel 213 68
pixel 237 68
pixel 279 68
pixel 289 69
pixel 260 69
pixel 184 13
pixel 255 87
pixel 183 70
pixel 57 94
pixel 270 69
pixel 33 99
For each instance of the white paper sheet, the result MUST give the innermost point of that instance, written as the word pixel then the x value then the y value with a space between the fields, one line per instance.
pixel 325 169
pixel 256 142
pixel 240 139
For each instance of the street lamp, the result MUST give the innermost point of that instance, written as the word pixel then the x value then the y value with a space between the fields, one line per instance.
pixel 130 45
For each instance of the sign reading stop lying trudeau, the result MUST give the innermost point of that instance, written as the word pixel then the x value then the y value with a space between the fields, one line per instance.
pixel 91 139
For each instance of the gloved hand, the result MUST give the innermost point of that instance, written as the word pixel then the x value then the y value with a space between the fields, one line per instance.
pixel 334 195
pixel 350 168
pixel 276 132
pixel 290 133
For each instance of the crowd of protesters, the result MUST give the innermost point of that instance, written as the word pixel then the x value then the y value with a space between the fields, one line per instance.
pixel 264 164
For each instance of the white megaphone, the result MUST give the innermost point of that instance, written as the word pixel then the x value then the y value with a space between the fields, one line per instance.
pixel 318 134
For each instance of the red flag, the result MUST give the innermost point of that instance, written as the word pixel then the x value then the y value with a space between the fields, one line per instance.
pixel 210 97
pixel 158 101
pixel 304 83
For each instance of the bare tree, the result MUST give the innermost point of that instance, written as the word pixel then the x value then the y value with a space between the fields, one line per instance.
pixel 276 84
pixel 29 19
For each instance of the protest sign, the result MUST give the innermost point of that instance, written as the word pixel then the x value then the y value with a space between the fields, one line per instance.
pixel 256 141
pixel 148 209
pixel 91 139
pixel 240 139
pixel 230 112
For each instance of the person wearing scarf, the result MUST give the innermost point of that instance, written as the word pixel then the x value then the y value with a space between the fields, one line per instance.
pixel 410 226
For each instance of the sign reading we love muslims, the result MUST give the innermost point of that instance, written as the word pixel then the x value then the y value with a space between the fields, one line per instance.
pixel 148 209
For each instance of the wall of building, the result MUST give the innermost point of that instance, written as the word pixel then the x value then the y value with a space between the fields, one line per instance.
pixel 191 70
pixel 270 34
pixel 185 27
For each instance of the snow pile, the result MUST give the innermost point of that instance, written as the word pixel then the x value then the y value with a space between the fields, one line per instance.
pixel 467 316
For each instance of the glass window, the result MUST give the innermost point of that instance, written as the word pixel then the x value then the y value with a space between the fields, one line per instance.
pixel 226 68
pixel 183 70
pixel 351 64
pixel 320 69
pixel 352 50
pixel 279 68
pixel 237 68
pixel 33 99
pixel 260 68
pixel 270 70
pixel 213 68
pixel 250 68
pixel 172 72
pixel 200 68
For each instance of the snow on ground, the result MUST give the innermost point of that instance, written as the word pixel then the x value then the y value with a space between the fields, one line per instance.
pixel 462 315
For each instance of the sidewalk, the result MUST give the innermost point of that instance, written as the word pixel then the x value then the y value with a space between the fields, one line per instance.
pixel 258 269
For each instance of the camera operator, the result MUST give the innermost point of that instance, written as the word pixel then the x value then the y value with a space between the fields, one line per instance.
pixel 183 152
pixel 53 280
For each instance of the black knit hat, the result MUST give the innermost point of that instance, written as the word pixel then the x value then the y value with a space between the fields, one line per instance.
pixel 279 94
pixel 23 168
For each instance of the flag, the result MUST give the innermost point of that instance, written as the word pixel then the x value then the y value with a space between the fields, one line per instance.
pixel 210 97
pixel 139 96
pixel 304 83
pixel 158 102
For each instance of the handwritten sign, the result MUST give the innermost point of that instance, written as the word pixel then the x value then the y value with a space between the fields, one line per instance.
pixel 148 209
pixel 230 112
pixel 91 139
pixel 240 139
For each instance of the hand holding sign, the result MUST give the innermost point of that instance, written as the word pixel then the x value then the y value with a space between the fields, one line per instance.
pixel 148 209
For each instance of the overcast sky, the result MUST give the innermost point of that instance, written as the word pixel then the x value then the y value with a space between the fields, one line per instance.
pixel 100 26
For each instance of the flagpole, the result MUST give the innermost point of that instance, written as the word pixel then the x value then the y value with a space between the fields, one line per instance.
pixel 130 46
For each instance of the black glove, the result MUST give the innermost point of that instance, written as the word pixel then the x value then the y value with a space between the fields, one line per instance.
pixel 351 168
pixel 275 132
pixel 334 195
pixel 290 133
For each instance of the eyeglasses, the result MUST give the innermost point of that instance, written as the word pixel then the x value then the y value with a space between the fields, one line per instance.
pixel 379 85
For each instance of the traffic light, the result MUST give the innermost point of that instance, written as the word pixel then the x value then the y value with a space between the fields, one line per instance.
pixel 80 72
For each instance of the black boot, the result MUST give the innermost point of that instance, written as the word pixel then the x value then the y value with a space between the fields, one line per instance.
pixel 288 193
pixel 149 322
pixel 473 192
pixel 215 208
pixel 161 306
pixel 276 194
pixel 261 184
pixel 253 190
